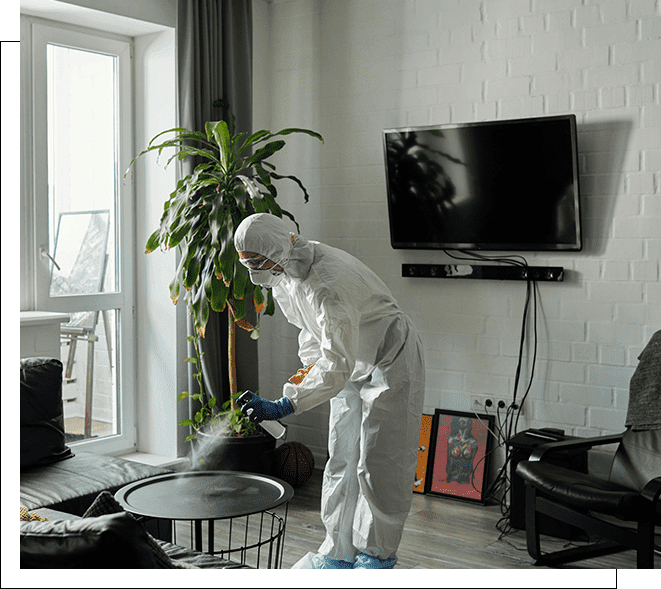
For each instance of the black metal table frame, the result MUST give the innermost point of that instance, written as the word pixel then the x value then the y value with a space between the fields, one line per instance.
pixel 256 489
pixel 279 537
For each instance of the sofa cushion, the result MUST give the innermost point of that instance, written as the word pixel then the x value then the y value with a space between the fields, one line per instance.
pixel 42 420
pixel 34 542
pixel 109 541
pixel 73 484
pixel 105 503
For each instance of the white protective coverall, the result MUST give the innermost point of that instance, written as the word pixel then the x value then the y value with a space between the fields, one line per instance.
pixel 368 361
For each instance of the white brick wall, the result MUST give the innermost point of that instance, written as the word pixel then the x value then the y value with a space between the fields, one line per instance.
pixel 350 68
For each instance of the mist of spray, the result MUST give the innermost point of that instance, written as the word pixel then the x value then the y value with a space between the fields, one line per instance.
pixel 206 448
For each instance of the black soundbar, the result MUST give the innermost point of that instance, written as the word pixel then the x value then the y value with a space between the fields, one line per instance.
pixel 484 272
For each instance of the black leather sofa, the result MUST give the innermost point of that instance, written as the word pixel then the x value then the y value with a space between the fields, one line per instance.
pixel 85 527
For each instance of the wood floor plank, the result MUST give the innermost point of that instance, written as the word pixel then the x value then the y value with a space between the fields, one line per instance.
pixel 440 533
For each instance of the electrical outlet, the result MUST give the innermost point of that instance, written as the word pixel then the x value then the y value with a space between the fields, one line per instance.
pixel 488 403
pixel 502 404
pixel 480 402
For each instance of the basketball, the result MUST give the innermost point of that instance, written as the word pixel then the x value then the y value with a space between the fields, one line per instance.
pixel 294 463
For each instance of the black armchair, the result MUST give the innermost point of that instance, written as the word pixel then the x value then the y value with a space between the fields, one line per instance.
pixel 622 511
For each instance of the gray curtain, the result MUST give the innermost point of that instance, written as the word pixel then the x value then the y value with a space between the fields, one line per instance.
pixel 214 61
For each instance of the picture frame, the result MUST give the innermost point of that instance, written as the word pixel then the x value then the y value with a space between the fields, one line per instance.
pixel 426 425
pixel 460 451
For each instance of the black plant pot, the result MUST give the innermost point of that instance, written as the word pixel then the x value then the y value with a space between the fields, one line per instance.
pixel 249 454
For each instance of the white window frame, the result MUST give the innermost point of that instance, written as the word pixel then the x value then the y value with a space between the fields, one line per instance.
pixel 34 198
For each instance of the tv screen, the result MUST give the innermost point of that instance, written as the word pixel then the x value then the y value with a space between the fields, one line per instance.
pixel 497 185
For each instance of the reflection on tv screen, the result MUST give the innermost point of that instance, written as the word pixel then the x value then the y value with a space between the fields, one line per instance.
pixel 498 185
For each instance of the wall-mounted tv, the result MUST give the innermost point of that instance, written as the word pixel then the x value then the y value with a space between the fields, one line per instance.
pixel 495 185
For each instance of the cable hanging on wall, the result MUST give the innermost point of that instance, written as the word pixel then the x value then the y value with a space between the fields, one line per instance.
pixel 505 427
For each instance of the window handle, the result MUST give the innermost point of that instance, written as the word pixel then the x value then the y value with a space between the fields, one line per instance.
pixel 45 254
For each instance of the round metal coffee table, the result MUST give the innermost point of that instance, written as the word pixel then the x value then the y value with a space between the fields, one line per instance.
pixel 212 495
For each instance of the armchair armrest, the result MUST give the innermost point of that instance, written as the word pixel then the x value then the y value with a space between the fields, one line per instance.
pixel 540 452
pixel 652 490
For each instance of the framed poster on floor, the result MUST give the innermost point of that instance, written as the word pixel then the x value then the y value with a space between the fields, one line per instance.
pixel 460 449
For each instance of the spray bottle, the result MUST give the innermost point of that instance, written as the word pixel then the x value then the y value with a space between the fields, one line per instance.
pixel 275 428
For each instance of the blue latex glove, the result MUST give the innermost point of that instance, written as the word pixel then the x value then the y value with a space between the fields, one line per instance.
pixel 263 410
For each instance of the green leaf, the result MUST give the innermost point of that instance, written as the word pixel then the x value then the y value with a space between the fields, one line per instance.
pixel 264 176
pixel 185 152
pixel 236 139
pixel 218 212
pixel 254 138
pixel 212 402
pixel 200 308
pixel 183 395
pixel 221 134
pixel 288 214
pixel 179 234
pixel 297 130
pixel 177 141
pixel 219 292
pixel 274 207
pixel 153 242
pixel 189 438
pixel 258 298
pixel 187 422
pixel 228 255
pixel 191 360
pixel 240 282
pixel 267 151
pixel 260 205
pixel 192 268
pixel 178 130
pixel 175 289
pixel 270 303
pixel 294 179
pixel 239 309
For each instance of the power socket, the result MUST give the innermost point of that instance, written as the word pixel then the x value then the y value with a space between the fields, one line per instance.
pixel 480 402
pixel 487 403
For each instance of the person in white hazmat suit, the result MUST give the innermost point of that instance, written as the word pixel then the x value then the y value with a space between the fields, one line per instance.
pixel 366 358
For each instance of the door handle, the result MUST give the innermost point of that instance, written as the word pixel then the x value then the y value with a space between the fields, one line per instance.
pixel 45 254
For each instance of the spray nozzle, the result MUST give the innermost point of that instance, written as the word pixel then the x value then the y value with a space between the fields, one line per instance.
pixel 244 398
pixel 276 429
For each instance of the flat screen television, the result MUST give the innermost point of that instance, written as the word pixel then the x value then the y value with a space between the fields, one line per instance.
pixel 495 186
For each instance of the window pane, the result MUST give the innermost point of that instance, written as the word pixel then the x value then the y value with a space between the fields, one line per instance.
pixel 82 169
pixel 89 355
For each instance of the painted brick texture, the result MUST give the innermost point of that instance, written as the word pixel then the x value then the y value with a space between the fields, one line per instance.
pixel 351 68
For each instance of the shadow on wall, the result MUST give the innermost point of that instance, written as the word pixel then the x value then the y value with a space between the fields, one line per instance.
pixel 602 149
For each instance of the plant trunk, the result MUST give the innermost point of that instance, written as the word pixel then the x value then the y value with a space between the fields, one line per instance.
pixel 231 355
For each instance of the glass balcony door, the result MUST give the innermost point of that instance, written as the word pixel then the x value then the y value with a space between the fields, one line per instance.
pixel 84 225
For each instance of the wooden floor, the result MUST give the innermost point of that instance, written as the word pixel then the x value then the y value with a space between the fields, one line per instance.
pixel 440 533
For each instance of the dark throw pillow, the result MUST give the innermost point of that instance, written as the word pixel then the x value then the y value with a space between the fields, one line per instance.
pixel 114 541
pixel 42 419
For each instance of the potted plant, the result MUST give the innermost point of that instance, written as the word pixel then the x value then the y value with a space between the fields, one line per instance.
pixel 232 179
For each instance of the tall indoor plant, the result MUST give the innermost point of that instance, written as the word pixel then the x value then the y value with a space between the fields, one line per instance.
pixel 232 180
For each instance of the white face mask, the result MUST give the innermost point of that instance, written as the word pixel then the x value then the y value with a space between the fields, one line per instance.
pixel 265 277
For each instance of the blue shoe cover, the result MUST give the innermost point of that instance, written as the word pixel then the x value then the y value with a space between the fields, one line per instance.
pixel 326 562
pixel 365 561
pixel 321 561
